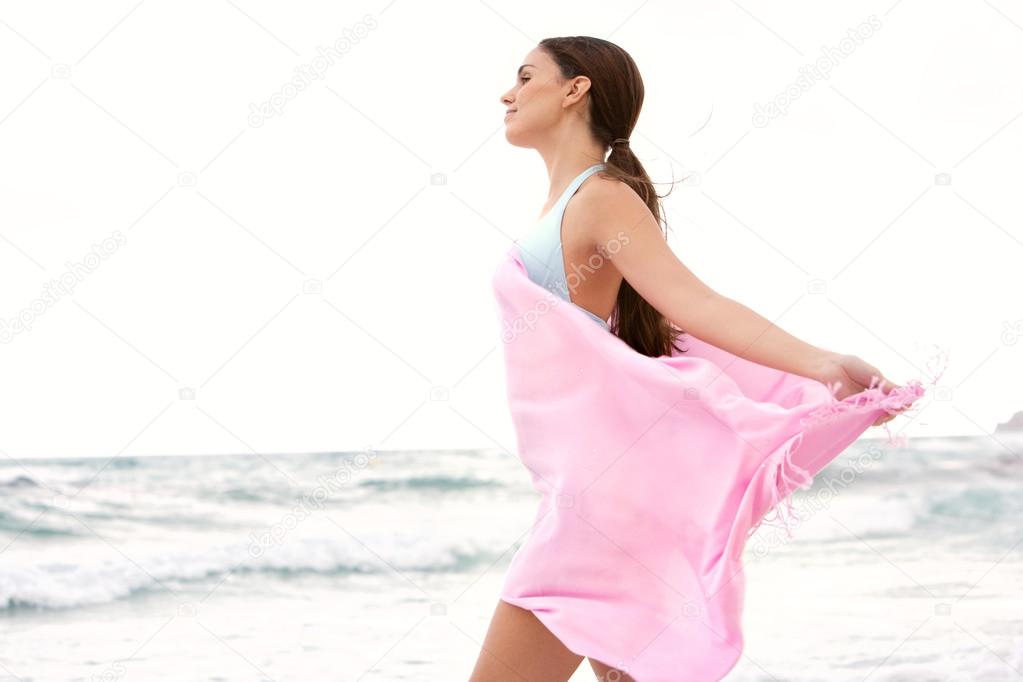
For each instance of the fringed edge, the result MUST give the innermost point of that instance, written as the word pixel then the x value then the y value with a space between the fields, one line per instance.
pixel 788 476
pixel 872 397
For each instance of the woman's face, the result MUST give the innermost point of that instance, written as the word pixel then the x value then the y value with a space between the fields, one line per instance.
pixel 535 101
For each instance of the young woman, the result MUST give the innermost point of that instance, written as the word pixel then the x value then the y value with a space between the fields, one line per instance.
pixel 574 99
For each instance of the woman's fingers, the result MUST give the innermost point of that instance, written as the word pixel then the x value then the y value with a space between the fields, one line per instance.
pixel 847 389
pixel 858 375
pixel 887 386
pixel 884 419
pixel 887 417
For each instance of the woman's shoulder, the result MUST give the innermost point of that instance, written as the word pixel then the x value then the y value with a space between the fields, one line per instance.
pixel 605 196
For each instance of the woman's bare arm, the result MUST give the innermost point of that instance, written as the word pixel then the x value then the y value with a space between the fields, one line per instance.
pixel 623 229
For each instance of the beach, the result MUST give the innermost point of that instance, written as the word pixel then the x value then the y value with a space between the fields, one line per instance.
pixel 907 563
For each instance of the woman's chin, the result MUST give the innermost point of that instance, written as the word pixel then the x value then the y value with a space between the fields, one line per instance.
pixel 514 137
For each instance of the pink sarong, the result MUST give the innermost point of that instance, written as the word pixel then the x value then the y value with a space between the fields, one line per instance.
pixel 654 472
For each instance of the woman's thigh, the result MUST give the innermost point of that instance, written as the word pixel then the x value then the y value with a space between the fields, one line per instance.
pixel 518 647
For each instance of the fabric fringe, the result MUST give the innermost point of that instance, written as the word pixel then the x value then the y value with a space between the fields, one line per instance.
pixel 788 476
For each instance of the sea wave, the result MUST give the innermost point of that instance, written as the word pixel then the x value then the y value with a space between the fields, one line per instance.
pixel 59 585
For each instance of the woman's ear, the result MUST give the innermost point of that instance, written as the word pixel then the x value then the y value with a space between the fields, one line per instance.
pixel 580 86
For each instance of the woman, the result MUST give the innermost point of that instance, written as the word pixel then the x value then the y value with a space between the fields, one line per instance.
pixel 576 589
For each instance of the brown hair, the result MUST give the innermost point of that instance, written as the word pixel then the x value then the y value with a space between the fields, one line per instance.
pixel 616 97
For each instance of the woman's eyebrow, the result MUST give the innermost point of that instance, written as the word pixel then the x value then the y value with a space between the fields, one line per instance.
pixel 522 67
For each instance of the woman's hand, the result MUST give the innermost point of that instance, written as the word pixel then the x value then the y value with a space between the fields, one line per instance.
pixel 854 375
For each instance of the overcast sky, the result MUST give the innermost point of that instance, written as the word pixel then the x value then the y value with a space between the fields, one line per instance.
pixel 208 259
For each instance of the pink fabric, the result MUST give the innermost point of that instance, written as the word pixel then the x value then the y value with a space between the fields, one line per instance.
pixel 654 473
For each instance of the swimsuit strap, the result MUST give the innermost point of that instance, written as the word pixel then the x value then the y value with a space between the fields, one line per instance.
pixel 573 186
pixel 541 248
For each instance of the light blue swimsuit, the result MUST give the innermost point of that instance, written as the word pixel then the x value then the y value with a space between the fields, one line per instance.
pixel 541 250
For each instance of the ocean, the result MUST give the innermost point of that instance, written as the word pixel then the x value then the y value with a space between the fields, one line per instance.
pixel 907 564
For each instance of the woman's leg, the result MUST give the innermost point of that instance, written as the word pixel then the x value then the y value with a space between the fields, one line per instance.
pixel 606 673
pixel 519 648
